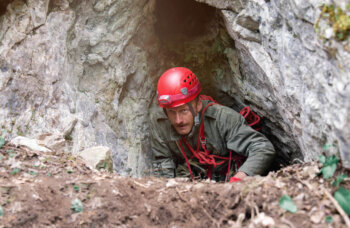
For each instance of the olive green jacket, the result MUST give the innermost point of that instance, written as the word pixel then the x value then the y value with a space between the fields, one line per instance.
pixel 225 130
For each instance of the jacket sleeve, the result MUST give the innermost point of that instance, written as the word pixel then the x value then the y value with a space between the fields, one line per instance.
pixel 162 161
pixel 244 140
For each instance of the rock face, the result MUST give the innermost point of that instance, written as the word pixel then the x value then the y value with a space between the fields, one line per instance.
pixel 87 70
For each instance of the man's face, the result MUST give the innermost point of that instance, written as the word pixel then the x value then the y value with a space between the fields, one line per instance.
pixel 181 117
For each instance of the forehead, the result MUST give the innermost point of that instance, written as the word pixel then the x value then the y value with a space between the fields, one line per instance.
pixel 184 106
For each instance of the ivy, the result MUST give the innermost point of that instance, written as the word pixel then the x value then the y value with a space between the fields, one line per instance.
pixel 343 198
pixel 287 203
pixel 2 141
pixel 77 206
pixel 339 179
pixel 329 166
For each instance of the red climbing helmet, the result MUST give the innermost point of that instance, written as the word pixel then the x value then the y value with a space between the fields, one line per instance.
pixel 177 86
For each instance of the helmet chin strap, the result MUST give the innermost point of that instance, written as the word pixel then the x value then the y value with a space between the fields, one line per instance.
pixel 195 117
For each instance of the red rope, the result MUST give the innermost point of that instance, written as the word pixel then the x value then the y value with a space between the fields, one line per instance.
pixel 229 166
pixel 188 164
pixel 252 118
pixel 205 157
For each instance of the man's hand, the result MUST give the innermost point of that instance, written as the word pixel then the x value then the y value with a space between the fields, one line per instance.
pixel 238 177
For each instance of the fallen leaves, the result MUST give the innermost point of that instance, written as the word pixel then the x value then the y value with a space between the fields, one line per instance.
pixel 89 196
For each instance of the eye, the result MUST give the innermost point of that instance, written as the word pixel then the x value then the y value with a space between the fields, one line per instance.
pixel 170 112
pixel 184 111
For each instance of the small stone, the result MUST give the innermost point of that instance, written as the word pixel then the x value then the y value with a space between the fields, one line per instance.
pixel 29 143
pixel 317 217
pixel 171 183
pixel 328 33
pixel 98 157
pixel 264 220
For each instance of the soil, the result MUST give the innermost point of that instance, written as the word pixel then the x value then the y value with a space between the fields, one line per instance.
pixel 38 189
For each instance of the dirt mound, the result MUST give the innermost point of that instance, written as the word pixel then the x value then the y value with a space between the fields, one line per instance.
pixel 58 190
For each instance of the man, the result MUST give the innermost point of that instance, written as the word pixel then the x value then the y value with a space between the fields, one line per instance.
pixel 199 138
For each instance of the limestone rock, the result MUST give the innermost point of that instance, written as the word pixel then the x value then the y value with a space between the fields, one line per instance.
pixel 30 143
pixel 52 141
pixel 98 157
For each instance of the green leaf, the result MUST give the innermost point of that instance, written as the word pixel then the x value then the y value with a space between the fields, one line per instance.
pixel 322 159
pixel 339 179
pixel 34 173
pixel 2 141
pixel 1 212
pixel 328 146
pixel 331 160
pixel 328 171
pixel 287 203
pixel 76 188
pixel 329 219
pixel 77 206
pixel 329 166
pixel 15 171
pixel 343 198
pixel 11 153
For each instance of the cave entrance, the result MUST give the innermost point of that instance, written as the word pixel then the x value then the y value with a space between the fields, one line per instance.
pixel 193 35
pixel 182 19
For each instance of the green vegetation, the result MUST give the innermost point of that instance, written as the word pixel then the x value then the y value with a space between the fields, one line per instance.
pixel 329 166
pixel 15 171
pixel 70 171
pixel 34 173
pixel 329 219
pixel 19 131
pixel 2 141
pixel 11 153
pixel 77 206
pixel 342 195
pixel 287 204
pixel 337 19
pixel 76 188
pixel 343 198
pixel 106 164
pixel 68 138
pixel 339 179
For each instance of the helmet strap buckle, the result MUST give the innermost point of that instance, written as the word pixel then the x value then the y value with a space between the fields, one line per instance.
pixel 196 120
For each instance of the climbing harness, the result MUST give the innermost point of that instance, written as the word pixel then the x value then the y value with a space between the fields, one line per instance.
pixel 204 156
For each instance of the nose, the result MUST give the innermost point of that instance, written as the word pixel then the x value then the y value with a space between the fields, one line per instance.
pixel 178 118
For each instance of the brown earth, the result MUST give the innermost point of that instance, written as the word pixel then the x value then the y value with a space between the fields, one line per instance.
pixel 37 190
